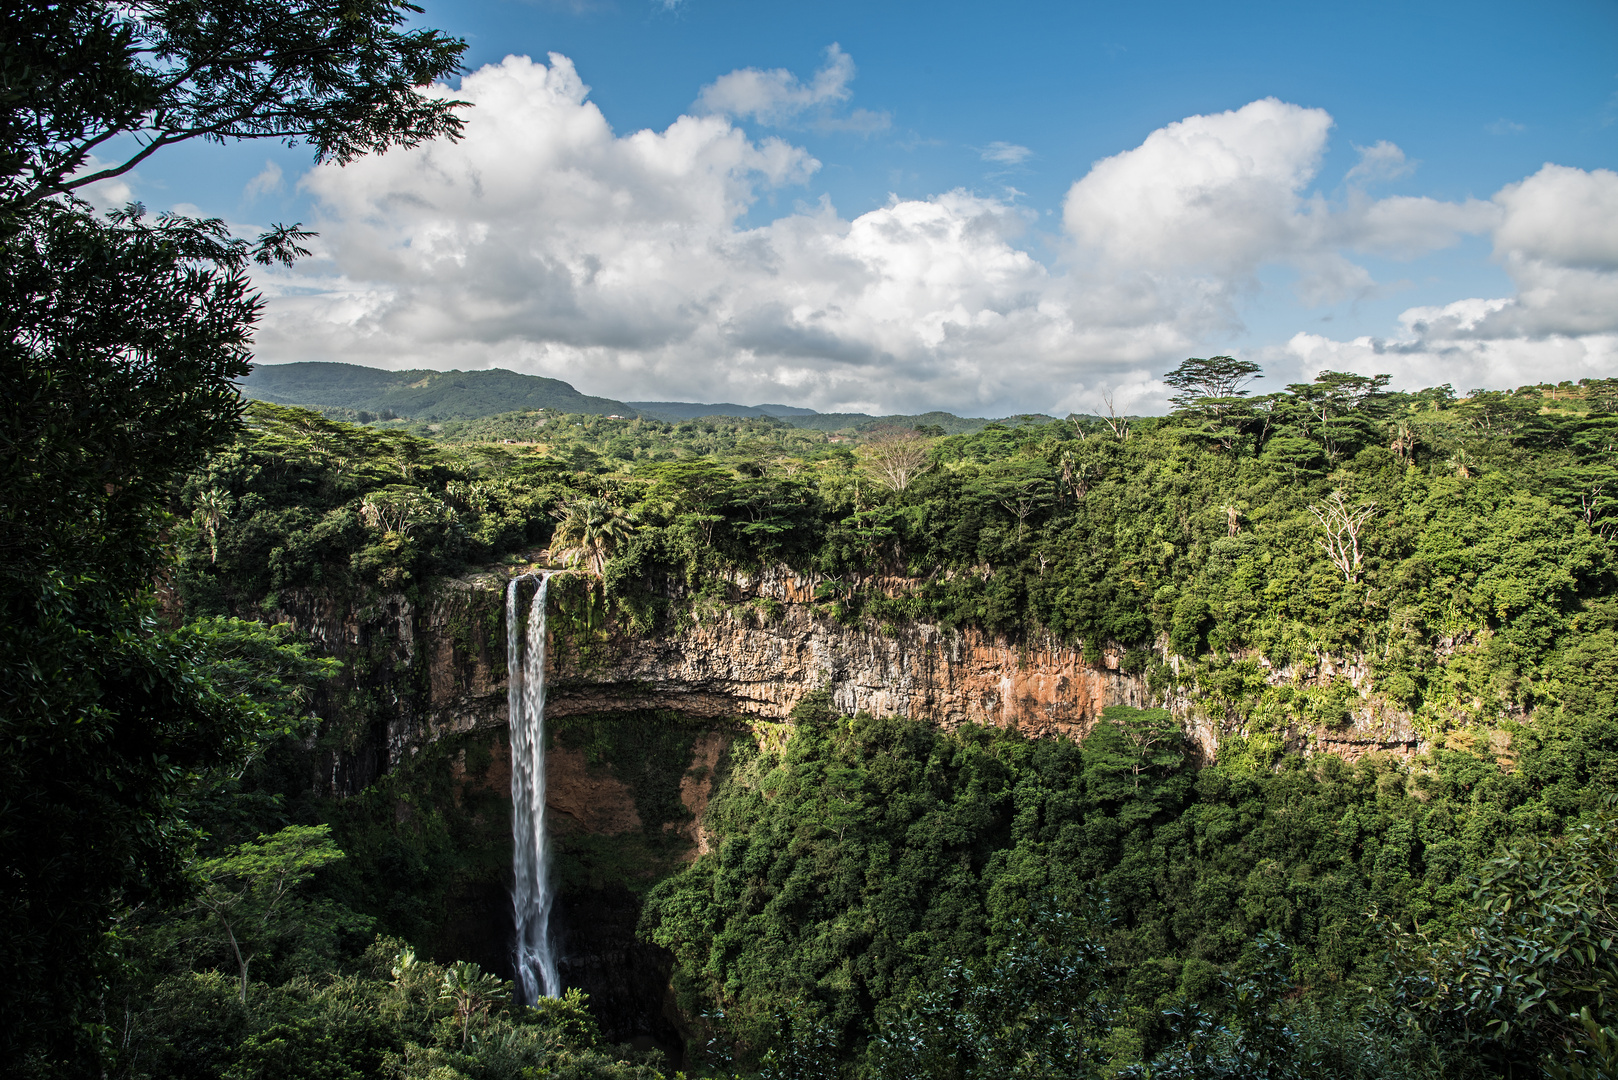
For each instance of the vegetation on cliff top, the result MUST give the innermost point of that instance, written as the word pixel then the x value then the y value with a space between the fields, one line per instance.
pixel 1462 550
pixel 883 899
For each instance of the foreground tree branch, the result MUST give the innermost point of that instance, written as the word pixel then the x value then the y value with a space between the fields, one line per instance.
pixel 120 340
pixel 338 75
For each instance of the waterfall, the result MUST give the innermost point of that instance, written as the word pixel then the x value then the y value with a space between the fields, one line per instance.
pixel 530 858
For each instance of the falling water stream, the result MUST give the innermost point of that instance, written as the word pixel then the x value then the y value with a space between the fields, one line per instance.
pixel 530 860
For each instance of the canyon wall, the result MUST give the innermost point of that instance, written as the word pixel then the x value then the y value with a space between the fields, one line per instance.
pixel 439 668
pixel 758 656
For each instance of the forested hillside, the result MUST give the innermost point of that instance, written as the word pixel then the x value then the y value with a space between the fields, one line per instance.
pixel 1462 548
pixel 883 898
pixel 256 742
pixel 879 897
pixel 428 395
pixel 1188 919
pixel 439 403
pixel 1325 784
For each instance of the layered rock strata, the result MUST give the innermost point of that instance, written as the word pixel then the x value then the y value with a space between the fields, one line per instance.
pixel 437 669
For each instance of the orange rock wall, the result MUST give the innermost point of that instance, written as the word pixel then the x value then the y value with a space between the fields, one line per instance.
pixel 741 662
pixel 755 657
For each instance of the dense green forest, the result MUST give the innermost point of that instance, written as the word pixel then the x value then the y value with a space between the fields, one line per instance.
pixel 872 872
pixel 884 898
pixel 1462 549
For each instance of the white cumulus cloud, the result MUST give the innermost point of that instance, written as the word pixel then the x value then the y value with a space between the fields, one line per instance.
pixel 1221 192
pixel 1205 202
pixel 776 98
pixel 1556 234
pixel 547 242
pixel 267 182
pixel 1381 161
pixel 1564 216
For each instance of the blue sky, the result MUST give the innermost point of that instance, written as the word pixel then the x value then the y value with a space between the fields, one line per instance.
pixel 917 144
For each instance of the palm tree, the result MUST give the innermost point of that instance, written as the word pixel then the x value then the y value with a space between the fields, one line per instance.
pixel 212 507
pixel 590 532
pixel 473 993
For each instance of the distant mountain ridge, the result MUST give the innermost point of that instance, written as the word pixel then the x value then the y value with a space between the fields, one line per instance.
pixel 418 394
pixel 690 410
pixel 421 394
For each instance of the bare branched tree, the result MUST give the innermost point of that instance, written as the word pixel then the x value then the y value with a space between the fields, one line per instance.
pixel 1343 525
pixel 895 456
pixel 1118 424
pixel 1589 503
pixel 1020 500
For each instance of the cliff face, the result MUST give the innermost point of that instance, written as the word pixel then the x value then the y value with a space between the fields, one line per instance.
pixel 759 660
pixel 439 668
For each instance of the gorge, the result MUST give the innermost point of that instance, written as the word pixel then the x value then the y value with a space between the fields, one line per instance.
pixel 755 658
pixel 457 725
pixel 813 740
pixel 437 663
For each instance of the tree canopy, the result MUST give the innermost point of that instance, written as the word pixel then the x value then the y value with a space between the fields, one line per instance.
pixel 880 897
pixel 1214 377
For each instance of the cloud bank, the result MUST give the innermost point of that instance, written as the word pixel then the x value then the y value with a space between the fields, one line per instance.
pixel 546 242
pixel 1556 234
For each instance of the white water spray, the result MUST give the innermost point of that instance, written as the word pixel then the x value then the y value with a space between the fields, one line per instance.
pixel 530 859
